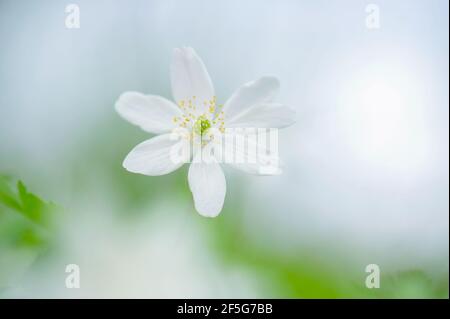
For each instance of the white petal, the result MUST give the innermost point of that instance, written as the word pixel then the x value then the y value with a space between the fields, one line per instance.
pixel 208 187
pixel 190 78
pixel 270 115
pixel 156 156
pixel 250 94
pixel 152 113
pixel 250 154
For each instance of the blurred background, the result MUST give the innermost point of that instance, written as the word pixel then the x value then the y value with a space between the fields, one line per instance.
pixel 365 177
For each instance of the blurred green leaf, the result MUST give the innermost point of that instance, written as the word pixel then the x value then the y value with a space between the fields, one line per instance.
pixel 412 284
pixel 7 197
pixel 25 219
pixel 26 228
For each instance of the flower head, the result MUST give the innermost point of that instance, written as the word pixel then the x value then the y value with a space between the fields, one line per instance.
pixel 197 120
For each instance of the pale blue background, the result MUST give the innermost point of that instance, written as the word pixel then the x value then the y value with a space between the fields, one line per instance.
pixel 366 165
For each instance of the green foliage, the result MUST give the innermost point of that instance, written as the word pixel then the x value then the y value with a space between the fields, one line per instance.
pixel 25 219
pixel 26 229
pixel 413 284
pixel 297 273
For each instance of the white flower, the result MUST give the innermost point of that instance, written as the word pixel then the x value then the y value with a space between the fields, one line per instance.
pixel 197 113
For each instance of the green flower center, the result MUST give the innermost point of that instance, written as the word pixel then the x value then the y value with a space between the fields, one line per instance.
pixel 201 125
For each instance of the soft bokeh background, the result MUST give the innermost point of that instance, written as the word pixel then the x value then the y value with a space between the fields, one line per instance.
pixel 365 181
